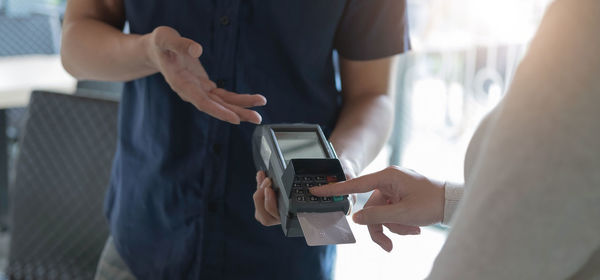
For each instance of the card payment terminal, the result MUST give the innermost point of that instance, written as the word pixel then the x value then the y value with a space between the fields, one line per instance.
pixel 297 157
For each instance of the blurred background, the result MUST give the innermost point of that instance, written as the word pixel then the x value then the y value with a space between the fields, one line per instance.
pixel 57 134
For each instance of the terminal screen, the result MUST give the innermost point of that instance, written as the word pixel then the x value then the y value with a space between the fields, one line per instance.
pixel 299 144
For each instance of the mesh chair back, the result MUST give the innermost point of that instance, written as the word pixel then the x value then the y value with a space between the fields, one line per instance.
pixel 32 34
pixel 58 229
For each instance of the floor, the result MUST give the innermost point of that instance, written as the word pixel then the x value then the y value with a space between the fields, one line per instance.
pixel 4 239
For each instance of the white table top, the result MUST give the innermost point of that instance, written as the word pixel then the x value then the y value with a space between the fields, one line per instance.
pixel 19 75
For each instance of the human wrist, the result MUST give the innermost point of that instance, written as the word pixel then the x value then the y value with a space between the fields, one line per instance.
pixel 148 47
pixel 350 166
pixel 438 202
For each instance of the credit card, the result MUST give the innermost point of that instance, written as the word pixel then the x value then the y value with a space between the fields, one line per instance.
pixel 325 228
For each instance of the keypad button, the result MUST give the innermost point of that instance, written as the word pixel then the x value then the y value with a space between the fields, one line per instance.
pixel 307 178
pixel 332 179
pixel 300 198
pixel 300 191
pixel 338 198
pixel 314 198
pixel 297 185
pixel 328 198
pixel 321 178
pixel 306 185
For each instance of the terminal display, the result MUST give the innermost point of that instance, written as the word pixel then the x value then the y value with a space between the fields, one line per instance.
pixel 299 144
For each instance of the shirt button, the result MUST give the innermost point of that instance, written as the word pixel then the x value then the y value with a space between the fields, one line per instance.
pixel 216 148
pixel 212 207
pixel 224 20
pixel 220 83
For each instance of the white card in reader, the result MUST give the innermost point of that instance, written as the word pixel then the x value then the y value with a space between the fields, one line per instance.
pixel 325 228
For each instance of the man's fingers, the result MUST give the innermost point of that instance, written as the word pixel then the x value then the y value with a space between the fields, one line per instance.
pixel 403 229
pixel 184 76
pixel 261 213
pixel 244 114
pixel 270 200
pixel 206 84
pixel 217 111
pixel 167 38
pixel 184 46
pixel 190 92
pixel 242 100
pixel 377 235
pixel 194 49
pixel 260 177
pixel 163 35
pixel 381 214
pixel 259 201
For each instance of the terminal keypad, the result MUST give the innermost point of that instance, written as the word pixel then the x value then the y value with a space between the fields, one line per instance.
pixel 301 185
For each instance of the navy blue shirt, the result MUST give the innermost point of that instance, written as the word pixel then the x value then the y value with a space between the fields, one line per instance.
pixel 180 198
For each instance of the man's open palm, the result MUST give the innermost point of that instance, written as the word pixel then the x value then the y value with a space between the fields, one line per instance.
pixel 177 59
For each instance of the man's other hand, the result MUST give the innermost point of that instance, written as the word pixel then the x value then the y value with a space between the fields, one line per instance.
pixel 177 59
pixel 265 201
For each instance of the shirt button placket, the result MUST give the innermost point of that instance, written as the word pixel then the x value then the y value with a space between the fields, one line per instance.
pixel 216 147
pixel 224 20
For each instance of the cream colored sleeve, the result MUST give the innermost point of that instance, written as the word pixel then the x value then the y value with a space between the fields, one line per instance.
pixel 531 206
pixel 453 193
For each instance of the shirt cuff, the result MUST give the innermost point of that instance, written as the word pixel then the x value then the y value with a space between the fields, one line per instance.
pixel 453 193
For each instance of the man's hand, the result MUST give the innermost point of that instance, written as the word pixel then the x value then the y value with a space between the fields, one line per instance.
pixel 402 201
pixel 265 201
pixel 177 59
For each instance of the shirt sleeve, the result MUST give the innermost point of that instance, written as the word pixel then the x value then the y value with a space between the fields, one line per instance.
pixel 530 208
pixel 372 29
pixel 453 193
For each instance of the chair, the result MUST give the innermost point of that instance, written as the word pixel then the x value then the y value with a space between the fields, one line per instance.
pixel 62 171
pixel 20 35
pixel 98 89
pixel 29 34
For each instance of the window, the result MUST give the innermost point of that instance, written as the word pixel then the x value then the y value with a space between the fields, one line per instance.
pixel 464 56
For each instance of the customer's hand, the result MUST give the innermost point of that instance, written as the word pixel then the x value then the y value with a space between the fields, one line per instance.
pixel 350 171
pixel 177 59
pixel 402 201
pixel 265 201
